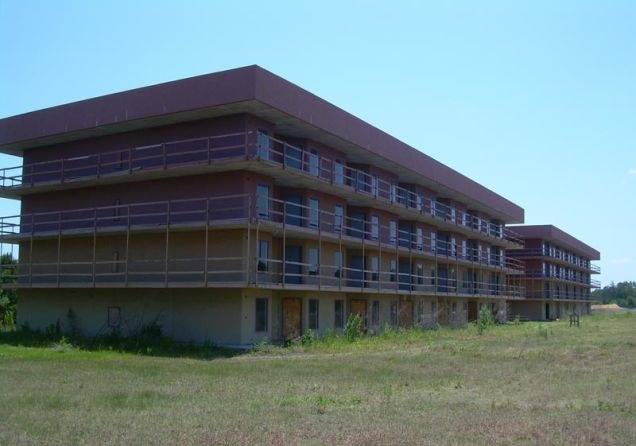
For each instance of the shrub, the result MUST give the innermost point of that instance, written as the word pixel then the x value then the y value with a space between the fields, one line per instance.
pixel 543 332
pixel 484 319
pixel 308 338
pixel 353 328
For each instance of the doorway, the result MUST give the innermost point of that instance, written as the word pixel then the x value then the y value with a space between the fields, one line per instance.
pixel 292 317
pixel 293 267
pixel 359 307
pixel 472 311
pixel 355 274
pixel 406 314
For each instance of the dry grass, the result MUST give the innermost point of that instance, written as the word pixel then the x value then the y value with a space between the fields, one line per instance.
pixel 516 384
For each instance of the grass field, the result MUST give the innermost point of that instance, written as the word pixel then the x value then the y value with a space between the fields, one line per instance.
pixel 530 383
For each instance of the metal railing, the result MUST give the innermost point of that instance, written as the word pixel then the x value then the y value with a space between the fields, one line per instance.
pixel 557 255
pixel 214 211
pixel 556 294
pixel 250 145
pixel 241 271
pixel 538 274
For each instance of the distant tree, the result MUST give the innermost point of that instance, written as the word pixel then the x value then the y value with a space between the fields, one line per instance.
pixel 8 297
pixel 622 294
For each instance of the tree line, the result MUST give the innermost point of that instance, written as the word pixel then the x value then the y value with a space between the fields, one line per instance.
pixel 622 294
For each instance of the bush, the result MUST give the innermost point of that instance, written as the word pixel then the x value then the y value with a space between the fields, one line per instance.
pixel 308 338
pixel 484 319
pixel 353 328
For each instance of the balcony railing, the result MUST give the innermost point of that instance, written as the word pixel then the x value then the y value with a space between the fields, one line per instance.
pixel 233 209
pixel 240 272
pixel 241 211
pixel 557 255
pixel 242 146
pixel 556 294
pixel 538 274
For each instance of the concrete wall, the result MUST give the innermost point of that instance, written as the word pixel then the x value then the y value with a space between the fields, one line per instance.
pixel 197 315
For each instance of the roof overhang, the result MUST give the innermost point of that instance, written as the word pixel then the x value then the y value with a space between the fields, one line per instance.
pixel 294 111
pixel 553 234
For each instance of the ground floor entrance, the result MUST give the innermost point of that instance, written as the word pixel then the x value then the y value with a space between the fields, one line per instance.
pixel 292 318
pixel 359 307
pixel 406 314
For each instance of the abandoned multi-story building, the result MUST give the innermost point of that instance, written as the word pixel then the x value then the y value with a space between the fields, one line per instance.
pixel 557 276
pixel 235 207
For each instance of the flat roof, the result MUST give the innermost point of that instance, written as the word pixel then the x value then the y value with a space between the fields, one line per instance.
pixel 553 234
pixel 252 89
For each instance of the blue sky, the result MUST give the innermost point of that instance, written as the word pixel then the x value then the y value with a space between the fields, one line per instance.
pixel 536 100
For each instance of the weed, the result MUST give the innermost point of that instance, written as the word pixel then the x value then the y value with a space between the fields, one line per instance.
pixel 353 328
pixel 484 319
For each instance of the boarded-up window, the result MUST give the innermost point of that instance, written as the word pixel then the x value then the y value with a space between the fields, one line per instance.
pixel 114 317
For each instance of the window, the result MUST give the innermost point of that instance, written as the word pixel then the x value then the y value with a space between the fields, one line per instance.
pixel 338 173
pixel 453 247
pixel 394 313
pixel 262 317
pixel 375 313
pixel 338 214
pixel 312 323
pixel 314 212
pixel 263 255
pixel 433 241
pixel 464 250
pixel 418 202
pixel 312 261
pixel 314 163
pixel 375 227
pixel 392 232
pixel 454 307
pixel 419 238
pixel 263 144
pixel 419 271
pixel 392 269
pixel 114 317
pixel 374 268
pixel 393 192
pixel 338 320
pixel 337 263
pixel 262 201
pixel 375 185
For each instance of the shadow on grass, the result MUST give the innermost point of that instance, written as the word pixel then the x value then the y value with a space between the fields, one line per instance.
pixel 158 347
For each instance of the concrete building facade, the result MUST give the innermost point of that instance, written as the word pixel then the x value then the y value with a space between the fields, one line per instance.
pixel 557 277
pixel 236 207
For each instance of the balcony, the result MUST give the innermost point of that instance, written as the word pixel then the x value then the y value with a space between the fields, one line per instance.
pixel 555 257
pixel 558 295
pixel 280 218
pixel 537 274
pixel 250 151
pixel 251 212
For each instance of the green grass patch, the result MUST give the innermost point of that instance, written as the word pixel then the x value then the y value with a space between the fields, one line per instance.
pixel 525 383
